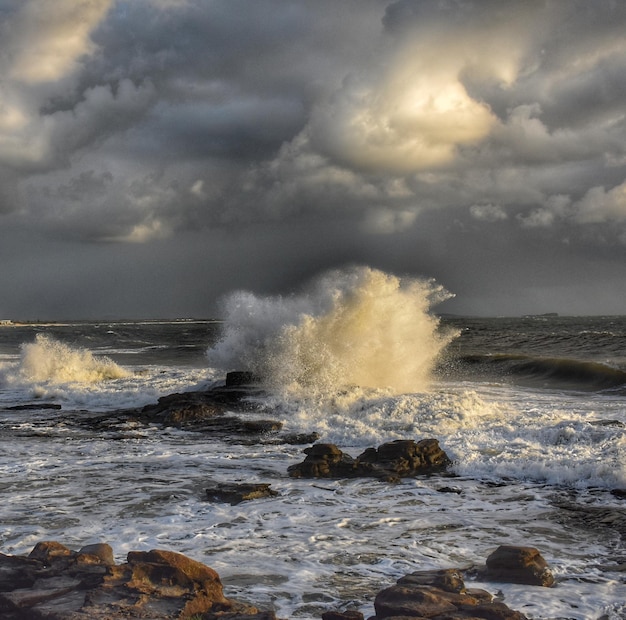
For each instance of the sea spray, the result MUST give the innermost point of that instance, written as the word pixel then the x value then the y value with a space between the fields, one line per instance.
pixel 47 360
pixel 357 326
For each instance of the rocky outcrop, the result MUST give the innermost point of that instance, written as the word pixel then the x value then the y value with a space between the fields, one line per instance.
pixel 229 413
pixel 56 583
pixel 511 564
pixel 439 595
pixel 390 461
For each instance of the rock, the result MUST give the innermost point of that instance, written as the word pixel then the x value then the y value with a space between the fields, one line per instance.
pixel 323 460
pixel 449 579
pixel 102 552
pixel 241 377
pixel 350 614
pixel 619 493
pixel 511 564
pixel 235 493
pixel 404 457
pixel 56 583
pixel 296 439
pixel 439 595
pixel 30 406
pixel 391 461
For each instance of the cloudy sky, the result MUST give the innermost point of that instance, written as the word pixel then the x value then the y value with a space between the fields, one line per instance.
pixel 156 154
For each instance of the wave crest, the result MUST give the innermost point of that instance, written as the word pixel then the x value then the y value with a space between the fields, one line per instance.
pixel 356 326
pixel 48 360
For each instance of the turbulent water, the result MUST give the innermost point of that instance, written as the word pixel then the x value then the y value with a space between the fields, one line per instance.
pixel 531 410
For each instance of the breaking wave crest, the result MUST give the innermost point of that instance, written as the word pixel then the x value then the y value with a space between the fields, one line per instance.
pixel 357 326
pixel 549 372
pixel 48 360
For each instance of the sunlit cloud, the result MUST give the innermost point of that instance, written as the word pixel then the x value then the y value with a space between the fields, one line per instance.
pixel 50 38
pixel 599 205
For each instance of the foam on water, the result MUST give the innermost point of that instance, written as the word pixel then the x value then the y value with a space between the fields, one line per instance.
pixel 356 326
pixel 48 369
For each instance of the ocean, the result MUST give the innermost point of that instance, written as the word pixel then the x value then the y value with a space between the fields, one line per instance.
pixel 531 410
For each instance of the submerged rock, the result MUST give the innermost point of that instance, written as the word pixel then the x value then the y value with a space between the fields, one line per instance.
pixel 235 493
pixel 390 461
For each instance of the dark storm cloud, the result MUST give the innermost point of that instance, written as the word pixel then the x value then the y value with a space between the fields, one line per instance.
pixel 408 132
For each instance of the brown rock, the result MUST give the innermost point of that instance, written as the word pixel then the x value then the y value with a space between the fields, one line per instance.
pixel 391 461
pixel 235 493
pixel 56 583
pixel 49 551
pixel 449 579
pixel 98 553
pixel 439 595
pixel 511 564
pixel 323 460
pixel 350 614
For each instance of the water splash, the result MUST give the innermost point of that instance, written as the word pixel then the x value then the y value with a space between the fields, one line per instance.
pixel 357 326
pixel 51 361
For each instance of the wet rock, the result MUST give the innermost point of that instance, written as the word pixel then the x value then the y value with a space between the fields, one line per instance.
pixel 235 493
pixel 391 461
pixel 241 377
pixel 350 614
pixel 56 583
pixel 403 458
pixel 511 564
pixel 439 595
pixel 30 406
pixel 296 439
pixel 323 460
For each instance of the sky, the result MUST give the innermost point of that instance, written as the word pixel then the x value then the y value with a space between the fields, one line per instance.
pixel 158 154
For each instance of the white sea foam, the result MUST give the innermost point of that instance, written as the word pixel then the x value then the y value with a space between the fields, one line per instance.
pixel 49 360
pixel 356 326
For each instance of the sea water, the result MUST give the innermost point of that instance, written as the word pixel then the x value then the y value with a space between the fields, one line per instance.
pixel 531 410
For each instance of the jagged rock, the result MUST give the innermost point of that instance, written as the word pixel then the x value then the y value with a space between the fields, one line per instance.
pixel 323 460
pixel 391 461
pixel 439 595
pixel 56 583
pixel 511 564
pixel 404 457
pixel 235 493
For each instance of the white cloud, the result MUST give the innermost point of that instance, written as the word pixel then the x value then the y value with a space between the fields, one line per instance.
pixel 49 38
pixel 488 212
pixel 599 205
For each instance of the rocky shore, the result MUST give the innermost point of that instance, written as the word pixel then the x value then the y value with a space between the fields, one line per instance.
pixel 54 582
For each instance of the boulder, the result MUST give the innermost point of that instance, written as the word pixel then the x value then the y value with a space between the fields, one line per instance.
pixel 323 460
pixel 511 564
pixel 56 583
pixel 403 458
pixel 390 461
pixel 439 595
